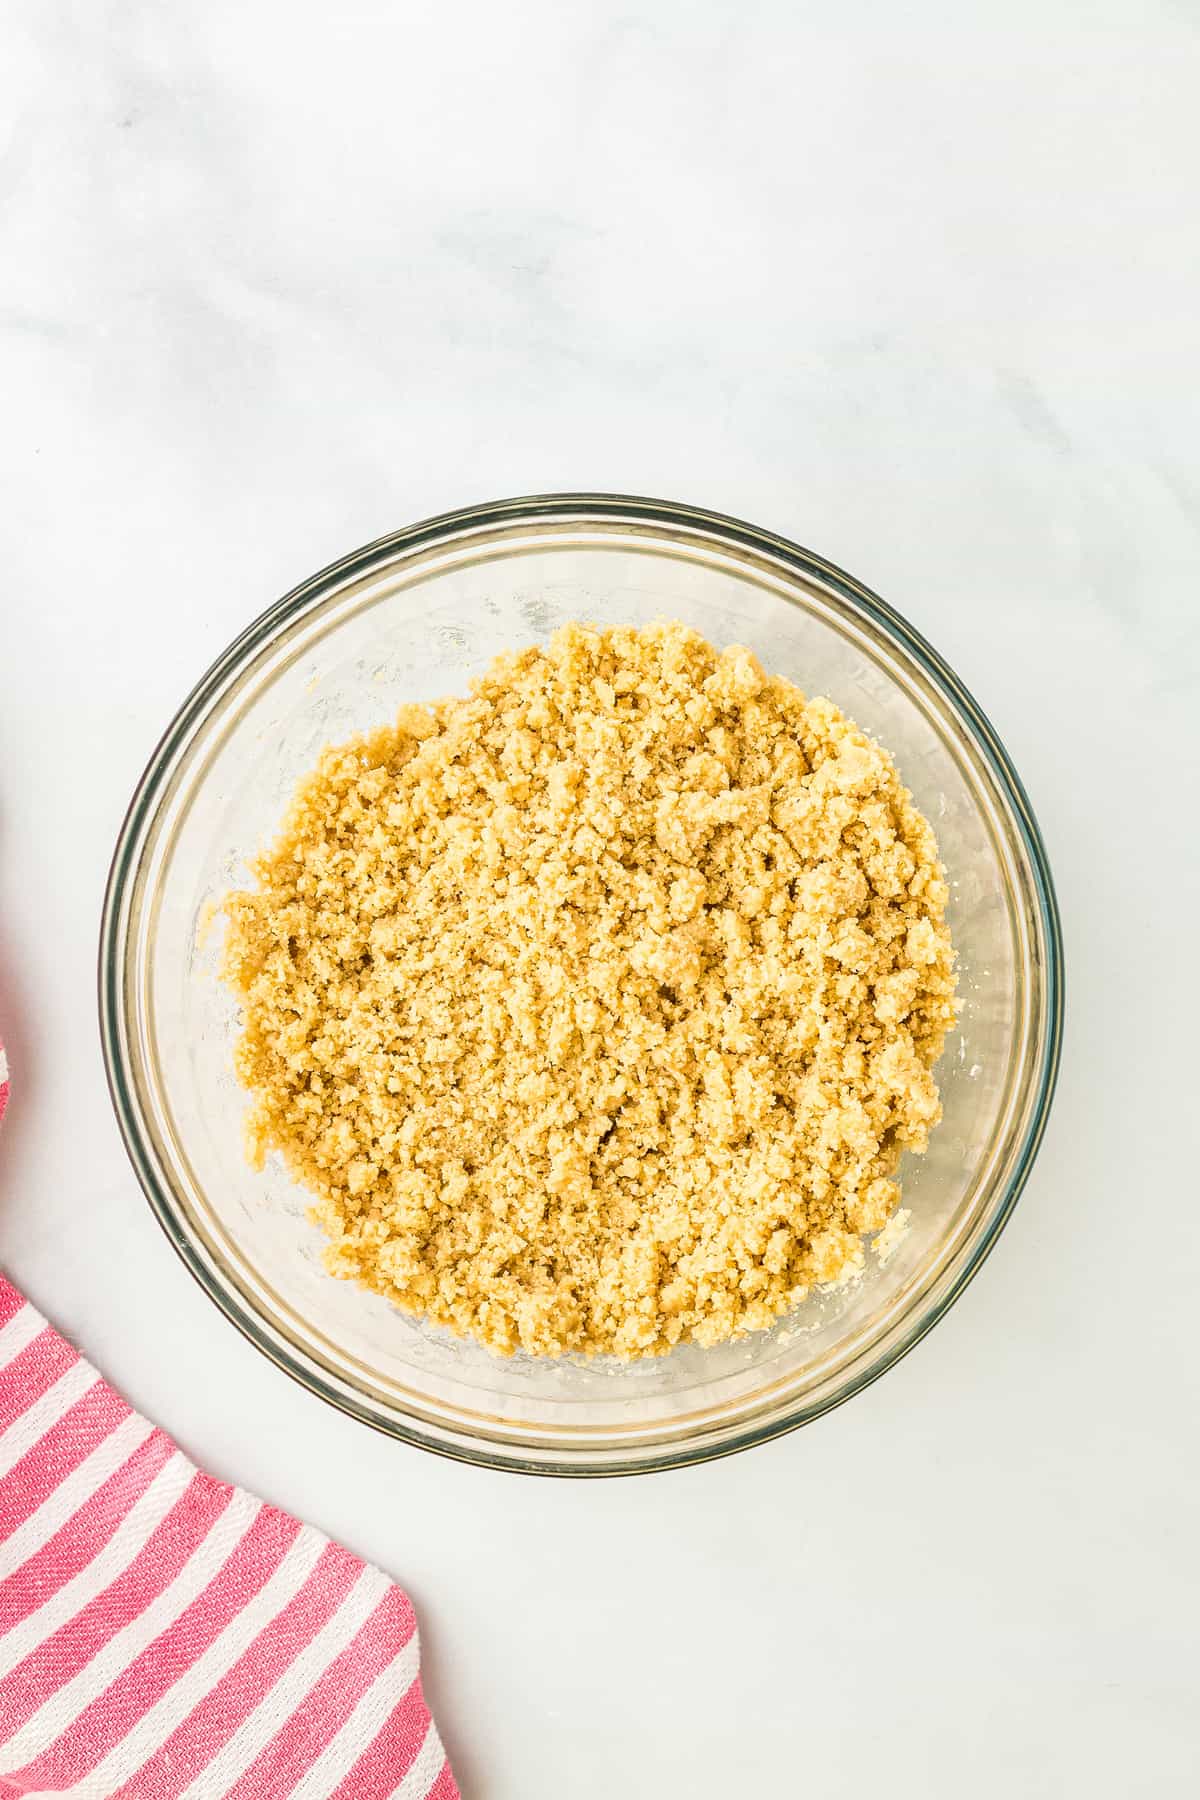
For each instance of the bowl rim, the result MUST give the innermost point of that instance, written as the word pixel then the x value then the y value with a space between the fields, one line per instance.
pixel 123 881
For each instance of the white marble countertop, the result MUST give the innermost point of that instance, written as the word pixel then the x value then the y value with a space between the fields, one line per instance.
pixel 913 284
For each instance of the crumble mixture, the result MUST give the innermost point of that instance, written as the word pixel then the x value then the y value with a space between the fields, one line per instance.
pixel 597 1008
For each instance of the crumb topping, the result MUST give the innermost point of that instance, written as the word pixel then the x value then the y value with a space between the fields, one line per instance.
pixel 596 1009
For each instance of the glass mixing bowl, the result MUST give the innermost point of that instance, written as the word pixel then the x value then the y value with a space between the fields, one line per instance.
pixel 412 617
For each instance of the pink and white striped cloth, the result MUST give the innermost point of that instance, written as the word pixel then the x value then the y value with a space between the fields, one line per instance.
pixel 164 1636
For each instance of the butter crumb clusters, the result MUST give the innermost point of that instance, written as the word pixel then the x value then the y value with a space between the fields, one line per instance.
pixel 597 1008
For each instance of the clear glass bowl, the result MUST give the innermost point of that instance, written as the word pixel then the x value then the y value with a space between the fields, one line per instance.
pixel 412 618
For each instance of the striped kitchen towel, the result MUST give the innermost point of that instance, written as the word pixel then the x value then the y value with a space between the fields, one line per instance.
pixel 164 1636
